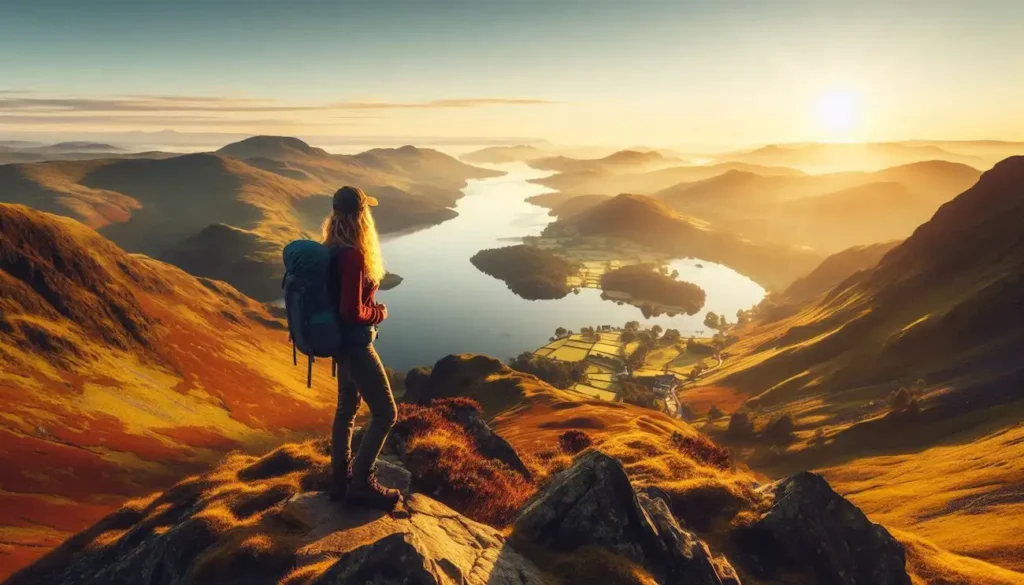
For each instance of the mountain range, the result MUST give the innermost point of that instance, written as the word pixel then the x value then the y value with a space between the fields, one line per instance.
pixel 649 222
pixel 227 214
pixel 936 320
pixel 827 212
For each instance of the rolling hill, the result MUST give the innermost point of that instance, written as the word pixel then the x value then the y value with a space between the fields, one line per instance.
pixel 509 481
pixel 646 221
pixel 834 270
pixel 940 314
pixel 120 374
pixel 504 154
pixel 623 160
pixel 837 157
pixel 612 180
pixel 828 212
pixel 268 190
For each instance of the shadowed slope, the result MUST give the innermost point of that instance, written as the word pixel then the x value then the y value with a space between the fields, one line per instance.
pixel 941 315
pixel 833 270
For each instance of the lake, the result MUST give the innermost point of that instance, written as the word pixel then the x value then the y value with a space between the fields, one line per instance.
pixel 445 305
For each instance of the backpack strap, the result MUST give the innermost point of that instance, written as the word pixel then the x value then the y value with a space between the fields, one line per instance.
pixel 309 372
pixel 334 368
pixel 295 355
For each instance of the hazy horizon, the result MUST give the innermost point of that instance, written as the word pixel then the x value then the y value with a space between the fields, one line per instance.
pixel 658 73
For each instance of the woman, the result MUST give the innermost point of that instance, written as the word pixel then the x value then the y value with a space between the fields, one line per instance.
pixel 351 231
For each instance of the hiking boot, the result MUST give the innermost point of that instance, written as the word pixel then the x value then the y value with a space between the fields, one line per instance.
pixel 339 484
pixel 370 493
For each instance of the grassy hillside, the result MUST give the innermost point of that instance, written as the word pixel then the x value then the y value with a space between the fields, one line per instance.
pixel 268 190
pixel 828 212
pixel 649 222
pixel 832 271
pixel 940 316
pixel 119 374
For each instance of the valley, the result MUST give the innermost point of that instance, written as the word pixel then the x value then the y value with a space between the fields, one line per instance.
pixel 133 373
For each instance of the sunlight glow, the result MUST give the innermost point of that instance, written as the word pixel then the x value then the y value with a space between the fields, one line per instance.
pixel 839 114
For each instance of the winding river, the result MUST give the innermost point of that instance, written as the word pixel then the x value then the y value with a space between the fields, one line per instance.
pixel 445 305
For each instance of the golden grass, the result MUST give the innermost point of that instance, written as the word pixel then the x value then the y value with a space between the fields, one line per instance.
pixel 445 461
pixel 967 496
pixel 931 565
pixel 116 418
pixel 588 564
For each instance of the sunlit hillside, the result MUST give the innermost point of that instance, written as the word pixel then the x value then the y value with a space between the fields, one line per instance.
pixel 120 374
pixel 226 215
pixel 903 381
pixel 649 222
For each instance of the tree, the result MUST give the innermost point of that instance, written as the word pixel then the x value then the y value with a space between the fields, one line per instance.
pixel 741 426
pixel 711 320
pixel 902 400
pixel 627 336
pixel 742 317
pixel 560 332
pixel 672 336
pixel 715 412
pixel 779 430
pixel 631 326
pixel 685 412
pixel 557 373
pixel 675 274
pixel 656 331
pixel 638 395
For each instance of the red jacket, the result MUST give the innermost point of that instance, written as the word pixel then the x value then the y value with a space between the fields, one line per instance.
pixel 356 304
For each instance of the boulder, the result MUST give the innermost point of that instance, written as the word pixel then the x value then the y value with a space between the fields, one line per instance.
pixel 593 503
pixel 433 545
pixel 455 375
pixel 685 558
pixel 489 443
pixel 810 527
pixel 391 473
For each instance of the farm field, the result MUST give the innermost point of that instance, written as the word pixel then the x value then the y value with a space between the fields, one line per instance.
pixel 605 354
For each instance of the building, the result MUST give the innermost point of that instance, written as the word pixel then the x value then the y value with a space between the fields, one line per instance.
pixel 664 384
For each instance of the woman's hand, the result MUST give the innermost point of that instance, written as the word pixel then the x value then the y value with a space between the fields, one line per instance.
pixel 383 310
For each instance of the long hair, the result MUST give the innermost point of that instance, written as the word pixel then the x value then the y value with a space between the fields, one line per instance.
pixel 356 230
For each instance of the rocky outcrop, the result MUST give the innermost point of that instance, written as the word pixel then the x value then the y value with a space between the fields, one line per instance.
pixel 434 545
pixel 593 503
pixel 489 443
pixel 811 528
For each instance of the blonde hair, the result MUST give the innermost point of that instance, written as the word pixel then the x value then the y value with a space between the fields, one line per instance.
pixel 356 230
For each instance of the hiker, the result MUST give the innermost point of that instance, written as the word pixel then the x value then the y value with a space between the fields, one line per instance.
pixel 351 232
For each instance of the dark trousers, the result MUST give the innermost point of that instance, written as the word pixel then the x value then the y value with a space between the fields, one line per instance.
pixel 360 373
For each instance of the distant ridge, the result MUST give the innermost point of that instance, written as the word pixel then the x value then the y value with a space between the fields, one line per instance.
pixel 649 222
pixel 272 147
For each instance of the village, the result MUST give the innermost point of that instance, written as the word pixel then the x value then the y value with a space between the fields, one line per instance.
pixel 645 366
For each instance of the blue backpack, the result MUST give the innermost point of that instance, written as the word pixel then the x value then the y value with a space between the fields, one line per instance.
pixel 311 289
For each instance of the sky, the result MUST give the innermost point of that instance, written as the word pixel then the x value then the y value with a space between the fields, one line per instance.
pixel 650 72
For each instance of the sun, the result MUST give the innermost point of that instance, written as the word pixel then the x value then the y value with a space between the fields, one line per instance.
pixel 839 114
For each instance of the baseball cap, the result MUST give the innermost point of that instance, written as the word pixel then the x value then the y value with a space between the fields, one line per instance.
pixel 352 199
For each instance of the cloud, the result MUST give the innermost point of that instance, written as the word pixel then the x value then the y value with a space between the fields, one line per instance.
pixel 163 121
pixel 442 104
pixel 18 102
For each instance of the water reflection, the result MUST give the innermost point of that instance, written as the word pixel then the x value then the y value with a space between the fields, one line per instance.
pixel 445 305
